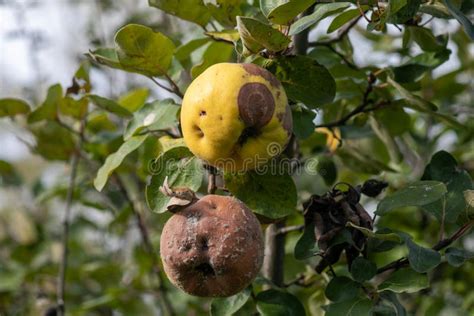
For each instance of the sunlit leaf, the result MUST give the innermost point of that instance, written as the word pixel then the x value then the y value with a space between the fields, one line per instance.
pixel 12 107
pixel 405 280
pixel 190 10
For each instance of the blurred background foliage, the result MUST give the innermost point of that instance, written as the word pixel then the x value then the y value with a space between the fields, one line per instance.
pixel 409 62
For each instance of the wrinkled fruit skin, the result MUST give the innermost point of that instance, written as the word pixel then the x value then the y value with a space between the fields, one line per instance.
pixel 236 116
pixel 213 248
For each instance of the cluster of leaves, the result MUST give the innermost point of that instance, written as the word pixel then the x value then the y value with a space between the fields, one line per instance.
pixel 383 122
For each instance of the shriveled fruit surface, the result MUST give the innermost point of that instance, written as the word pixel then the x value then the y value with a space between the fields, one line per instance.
pixel 236 116
pixel 213 248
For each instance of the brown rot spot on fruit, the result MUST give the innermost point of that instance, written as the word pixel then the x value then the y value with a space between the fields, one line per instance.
pixel 287 119
pixel 205 269
pixel 202 113
pixel 220 117
pixel 256 104
pixel 259 71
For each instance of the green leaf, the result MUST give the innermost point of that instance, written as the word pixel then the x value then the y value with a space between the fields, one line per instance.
pixel 53 141
pixel 49 108
pixel 266 6
pixel 405 12
pixel 456 256
pixel 414 100
pixel 230 36
pixel 363 269
pixel 306 247
pixel 465 22
pixel 342 19
pixel 183 53
pixel 415 67
pixel 286 12
pixel 422 259
pixel 405 280
pixel 392 298
pixel 12 279
pixel 303 125
pixel 394 119
pixel 182 170
pixel 341 288
pixel 141 50
pixel 134 100
pixel 107 57
pixel 156 115
pixel 443 167
pixel 76 108
pixel 190 10
pixel 354 307
pixel 109 105
pixel 216 52
pixel 426 40
pixel 225 11
pixel 256 36
pixel 115 160
pixel 271 194
pixel 327 169
pixel 396 5
pixel 11 107
pixel 273 302
pixel 416 194
pixel 8 175
pixel 380 236
pixel 321 11
pixel 227 306
pixel 435 9
pixel 305 80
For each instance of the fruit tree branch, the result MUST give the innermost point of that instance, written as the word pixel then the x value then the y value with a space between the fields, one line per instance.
pixel 61 287
pixel 402 262
pixel 137 211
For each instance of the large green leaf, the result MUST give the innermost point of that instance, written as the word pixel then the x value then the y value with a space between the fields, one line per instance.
pixel 115 160
pixel 266 6
pixel 216 52
pixel 426 40
pixel 303 125
pixel 154 116
pixel 363 269
pixel 286 12
pixel 227 306
pixel 48 110
pixel 53 141
pixel 403 12
pixel 12 107
pixel 182 170
pixel 416 194
pixel 144 51
pixel 321 11
pixel 273 302
pixel 305 80
pixel 443 167
pixel 109 105
pixel 355 307
pixel 134 100
pixel 456 256
pixel 271 194
pixel 405 280
pixel 76 108
pixel 422 259
pixel 394 119
pixel 342 288
pixel 190 10
pixel 342 19
pixel 256 36
pixel 306 247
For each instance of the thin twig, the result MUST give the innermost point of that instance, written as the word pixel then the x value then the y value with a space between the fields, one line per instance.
pixel 160 85
pixel 212 174
pixel 61 288
pixel 340 36
pixel 145 235
pixel 359 109
pixel 402 262
pixel 174 86
pixel 344 59
pixel 443 219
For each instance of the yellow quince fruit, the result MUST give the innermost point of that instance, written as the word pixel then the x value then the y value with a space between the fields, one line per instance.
pixel 236 116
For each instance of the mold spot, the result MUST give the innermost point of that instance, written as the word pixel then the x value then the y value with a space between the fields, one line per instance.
pixel 205 269
pixel 259 71
pixel 256 104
